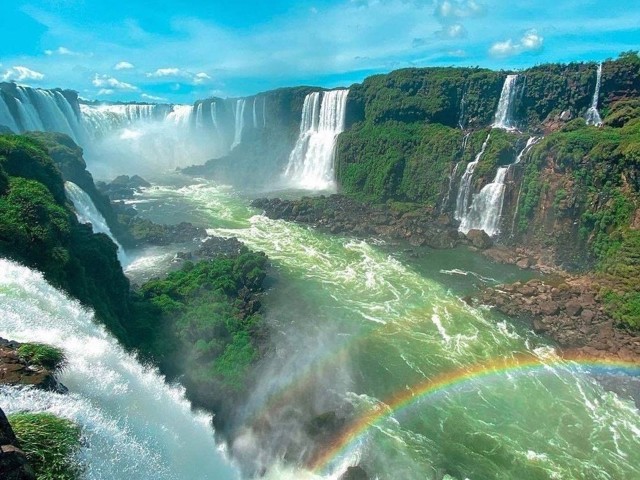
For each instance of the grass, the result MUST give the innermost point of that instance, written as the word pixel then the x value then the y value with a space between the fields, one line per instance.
pixel 50 444
pixel 42 355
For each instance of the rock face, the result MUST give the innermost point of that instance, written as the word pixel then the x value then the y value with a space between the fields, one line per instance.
pixel 341 214
pixel 16 371
pixel 13 461
pixel 571 313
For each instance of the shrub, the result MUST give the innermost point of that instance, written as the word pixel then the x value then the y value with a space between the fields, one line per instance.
pixel 42 355
pixel 50 443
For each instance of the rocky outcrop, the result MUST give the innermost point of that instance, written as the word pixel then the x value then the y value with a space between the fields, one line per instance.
pixel 122 187
pixel 570 312
pixel 341 214
pixel 13 461
pixel 355 473
pixel 146 232
pixel 15 370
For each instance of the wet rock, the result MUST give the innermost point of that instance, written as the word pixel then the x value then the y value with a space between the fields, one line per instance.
pixel 16 371
pixel 355 473
pixel 479 239
pixel 573 308
pixel 549 308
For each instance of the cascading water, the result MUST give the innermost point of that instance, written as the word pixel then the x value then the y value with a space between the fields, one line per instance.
pixel 504 113
pixel 133 424
pixel 592 116
pixel 464 191
pixel 311 160
pixel 87 212
pixel 239 122
pixel 486 208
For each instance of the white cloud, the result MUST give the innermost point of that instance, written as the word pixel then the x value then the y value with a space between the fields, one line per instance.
pixel 20 74
pixel 153 98
pixel 111 83
pixel 455 30
pixel 201 77
pixel 123 66
pixel 105 91
pixel 62 51
pixel 198 78
pixel 447 9
pixel 530 41
pixel 166 72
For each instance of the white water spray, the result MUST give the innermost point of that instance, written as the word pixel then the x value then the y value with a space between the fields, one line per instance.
pixel 87 212
pixel 133 424
pixel 311 160
pixel 593 116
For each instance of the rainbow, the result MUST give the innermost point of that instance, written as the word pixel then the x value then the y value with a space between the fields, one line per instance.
pixel 447 381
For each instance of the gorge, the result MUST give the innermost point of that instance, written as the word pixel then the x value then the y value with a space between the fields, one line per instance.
pixel 375 350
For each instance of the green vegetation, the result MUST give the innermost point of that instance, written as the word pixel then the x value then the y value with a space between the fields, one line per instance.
pixel 621 271
pixel 39 229
pixel 202 323
pixel 42 355
pixel 50 444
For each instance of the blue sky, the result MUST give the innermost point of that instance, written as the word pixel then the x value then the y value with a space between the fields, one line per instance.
pixel 181 50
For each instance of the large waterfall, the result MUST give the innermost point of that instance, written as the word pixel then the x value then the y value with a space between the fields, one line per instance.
pixel 35 109
pixel 133 424
pixel 593 116
pixel 87 212
pixel 486 209
pixel 464 191
pixel 504 113
pixel 311 160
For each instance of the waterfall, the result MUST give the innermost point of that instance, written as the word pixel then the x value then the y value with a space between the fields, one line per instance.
pixel 87 212
pixel 6 118
pixel 239 123
pixel 311 160
pixel 255 116
pixel 464 191
pixel 180 115
pixel 264 111
pixel 214 115
pixel 504 113
pixel 43 110
pixel 199 116
pixel 133 424
pixel 462 105
pixel 593 116
pixel 486 208
pixel 452 177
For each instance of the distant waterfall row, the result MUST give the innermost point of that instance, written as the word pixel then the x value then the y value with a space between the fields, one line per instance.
pixel 311 160
pixel 27 109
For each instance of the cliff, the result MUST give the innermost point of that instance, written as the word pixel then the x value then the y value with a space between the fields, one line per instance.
pixel 39 229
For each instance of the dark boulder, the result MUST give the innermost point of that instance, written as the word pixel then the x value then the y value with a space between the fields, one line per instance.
pixel 355 473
